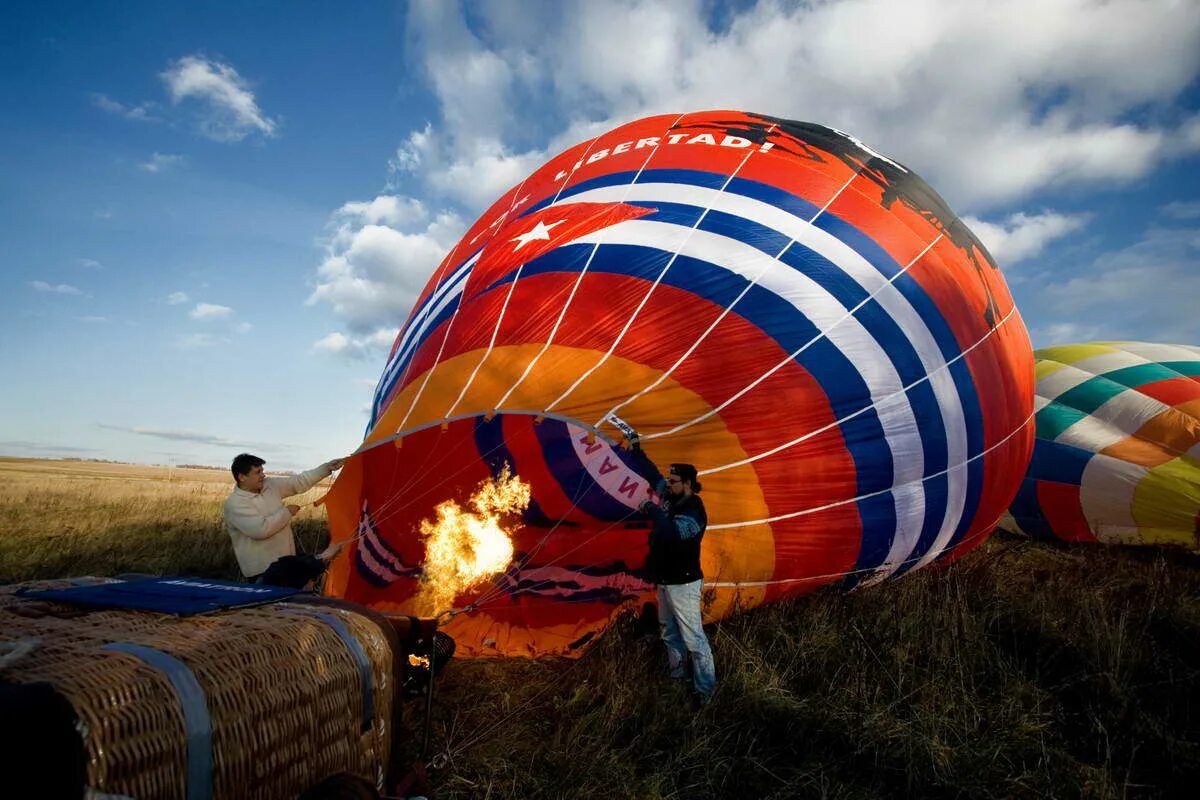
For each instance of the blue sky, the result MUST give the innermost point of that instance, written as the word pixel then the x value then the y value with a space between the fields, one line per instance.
pixel 215 216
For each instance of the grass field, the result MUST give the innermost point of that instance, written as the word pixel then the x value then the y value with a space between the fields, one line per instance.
pixel 1025 670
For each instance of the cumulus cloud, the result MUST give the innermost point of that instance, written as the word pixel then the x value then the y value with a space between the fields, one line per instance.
pixel 176 298
pixel 1022 235
pixel 990 102
pixel 207 311
pixel 90 263
pixel 338 343
pixel 161 162
pixel 58 288
pixel 228 110
pixel 372 272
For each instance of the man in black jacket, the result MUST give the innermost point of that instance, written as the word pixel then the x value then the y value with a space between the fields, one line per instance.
pixel 674 562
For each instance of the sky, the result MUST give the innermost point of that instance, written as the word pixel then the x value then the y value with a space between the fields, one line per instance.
pixel 214 217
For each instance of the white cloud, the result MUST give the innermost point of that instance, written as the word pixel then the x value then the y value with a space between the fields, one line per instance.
pixel 372 273
pixel 1023 236
pixel 140 112
pixel 372 344
pixel 103 213
pixel 243 327
pixel 92 319
pixel 59 288
pixel 1181 209
pixel 990 102
pixel 206 311
pixel 229 111
pixel 90 263
pixel 1063 333
pixel 161 162
pixel 197 340
pixel 176 435
pixel 176 298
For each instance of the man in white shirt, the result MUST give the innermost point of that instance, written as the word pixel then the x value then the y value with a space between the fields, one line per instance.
pixel 257 520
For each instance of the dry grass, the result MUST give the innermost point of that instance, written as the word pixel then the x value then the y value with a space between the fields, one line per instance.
pixel 1026 670
pixel 66 518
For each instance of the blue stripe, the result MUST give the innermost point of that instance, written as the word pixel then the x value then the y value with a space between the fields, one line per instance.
pixel 402 361
pixel 845 388
pixel 357 653
pixel 197 723
pixel 1027 511
pixel 1055 461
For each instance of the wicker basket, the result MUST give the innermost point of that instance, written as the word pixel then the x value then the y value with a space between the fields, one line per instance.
pixel 259 702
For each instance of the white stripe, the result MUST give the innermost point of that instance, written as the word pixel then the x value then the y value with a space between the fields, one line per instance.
pixel 445 295
pixel 1061 381
pixel 1159 352
pixel 837 422
pixel 646 298
pixel 847 334
pixel 1118 417
pixel 1106 492
pixel 1101 363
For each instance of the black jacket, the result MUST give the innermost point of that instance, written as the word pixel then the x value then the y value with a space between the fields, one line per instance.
pixel 675 540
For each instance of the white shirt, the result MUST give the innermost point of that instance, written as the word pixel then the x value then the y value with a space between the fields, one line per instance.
pixel 260 526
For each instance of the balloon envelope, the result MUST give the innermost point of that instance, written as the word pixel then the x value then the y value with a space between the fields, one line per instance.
pixel 803 319
pixel 1117 456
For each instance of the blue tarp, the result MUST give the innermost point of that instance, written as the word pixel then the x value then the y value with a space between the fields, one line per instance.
pixel 180 596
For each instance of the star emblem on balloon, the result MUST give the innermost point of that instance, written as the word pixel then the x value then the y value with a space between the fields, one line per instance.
pixel 539 231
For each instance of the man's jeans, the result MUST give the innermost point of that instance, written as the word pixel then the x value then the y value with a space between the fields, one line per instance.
pixel 679 621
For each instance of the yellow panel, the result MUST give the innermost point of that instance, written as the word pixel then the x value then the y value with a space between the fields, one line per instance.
pixel 1166 502
pixel 1046 367
pixel 1070 353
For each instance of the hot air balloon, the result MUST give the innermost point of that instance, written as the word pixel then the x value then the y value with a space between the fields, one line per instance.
pixel 1117 455
pixel 803 319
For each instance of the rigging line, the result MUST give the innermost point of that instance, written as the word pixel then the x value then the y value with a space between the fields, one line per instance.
pixel 438 359
pixel 400 500
pixel 653 286
pixel 790 358
pixel 728 525
pixel 864 409
pixel 725 311
pixel 803 512
pixel 411 500
pixel 513 286
pixel 579 278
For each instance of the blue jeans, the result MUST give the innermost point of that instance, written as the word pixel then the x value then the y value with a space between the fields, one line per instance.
pixel 682 633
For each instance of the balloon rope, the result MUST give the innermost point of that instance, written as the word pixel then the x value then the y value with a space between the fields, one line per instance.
pixel 646 298
pixel 863 410
pixel 928 556
pixel 790 358
pixel 438 359
pixel 579 278
pixel 512 288
pixel 773 262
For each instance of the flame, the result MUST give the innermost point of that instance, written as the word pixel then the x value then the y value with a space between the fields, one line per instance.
pixel 418 661
pixel 465 546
